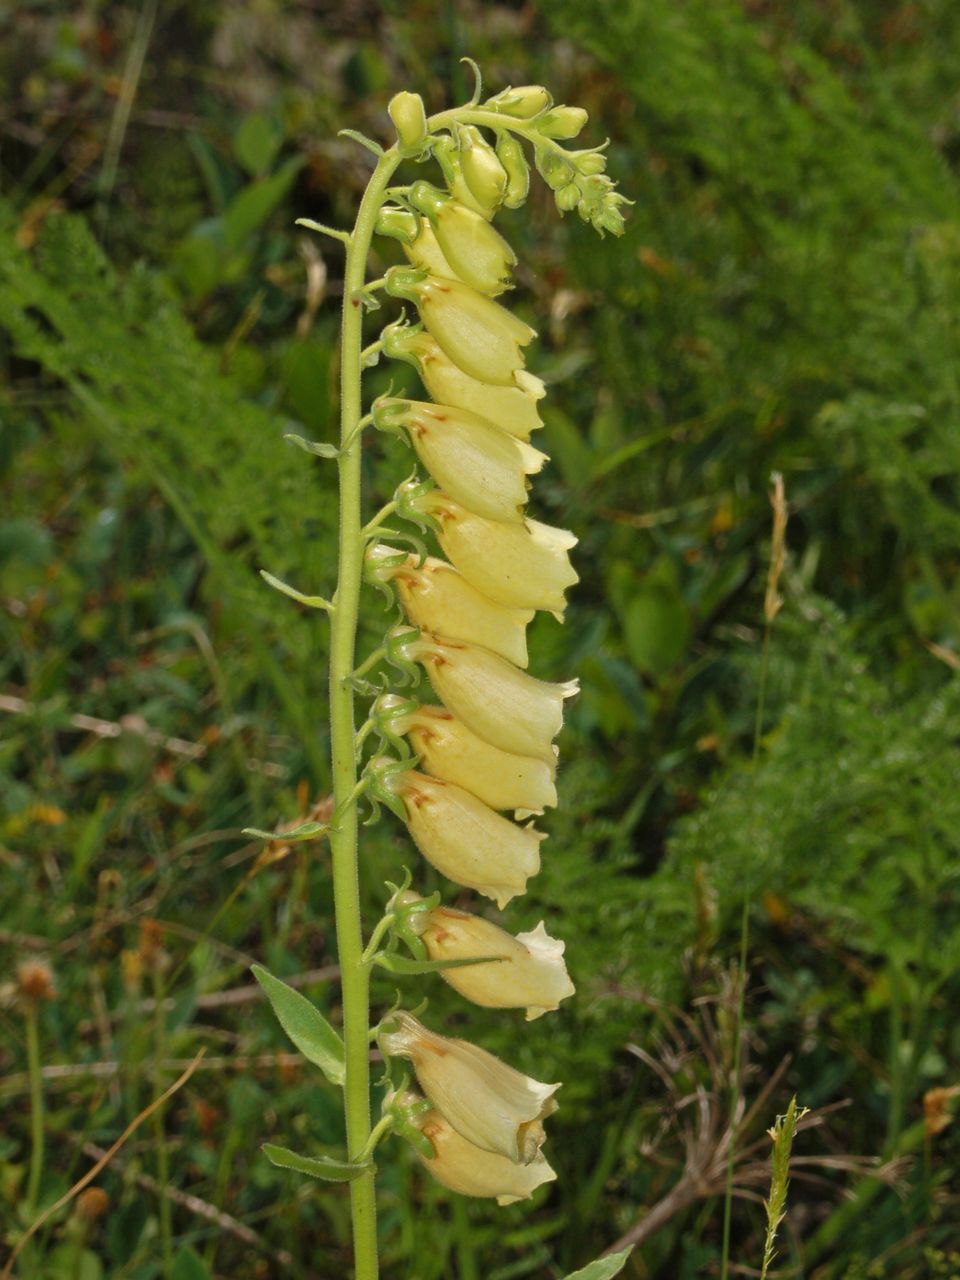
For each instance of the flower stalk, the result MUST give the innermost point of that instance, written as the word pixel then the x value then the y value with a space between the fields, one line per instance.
pixel 489 747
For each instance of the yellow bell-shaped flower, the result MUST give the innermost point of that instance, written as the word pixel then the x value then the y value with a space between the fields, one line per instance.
pixel 478 254
pixel 452 752
pixel 525 564
pixel 501 704
pixel 466 840
pixel 425 252
pixel 478 334
pixel 490 1104
pixel 479 466
pixel 435 596
pixel 461 1166
pixel 512 409
pixel 530 972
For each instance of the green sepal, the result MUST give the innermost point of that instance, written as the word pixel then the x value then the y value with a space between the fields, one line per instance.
pixel 305 1025
pixel 407 966
pixel 312 602
pixel 603 1268
pixel 419 1141
pixel 306 831
pixel 319 448
pixel 315 1166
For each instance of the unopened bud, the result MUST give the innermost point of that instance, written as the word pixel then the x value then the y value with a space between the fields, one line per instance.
pixel 407 112
pixel 514 162
pixel 554 169
pixel 482 171
pixel 523 102
pixel 568 198
pixel 478 255
pixel 591 162
pixel 400 224
pixel 562 122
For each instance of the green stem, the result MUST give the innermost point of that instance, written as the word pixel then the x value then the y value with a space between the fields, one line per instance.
pixel 36 1107
pixel 343 840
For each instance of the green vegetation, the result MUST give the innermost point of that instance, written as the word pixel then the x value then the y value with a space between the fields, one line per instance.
pixel 785 298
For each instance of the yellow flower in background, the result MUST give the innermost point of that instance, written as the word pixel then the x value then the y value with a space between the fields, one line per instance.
pixel 501 704
pixel 461 1166
pixel 513 409
pixel 530 972
pixel 490 1104
pixel 452 752
pixel 467 841
pixel 435 596
pixel 480 336
pixel 481 467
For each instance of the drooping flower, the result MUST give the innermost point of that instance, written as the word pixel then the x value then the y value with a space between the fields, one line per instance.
pixel 513 409
pixel 461 1166
pixel 529 973
pixel 435 596
pixel 467 841
pixel 478 254
pixel 478 334
pixel 449 750
pixel 483 468
pixel 490 1104
pixel 501 704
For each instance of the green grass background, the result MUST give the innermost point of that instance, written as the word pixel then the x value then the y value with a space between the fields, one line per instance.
pixel 785 298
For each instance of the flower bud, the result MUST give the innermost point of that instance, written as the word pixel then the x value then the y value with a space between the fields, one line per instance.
pixel 482 467
pixel 479 255
pixel 480 336
pixel 400 224
pixel 530 971
pixel 482 171
pixel 452 752
pixel 590 162
pixel 435 596
pixel 523 102
pixel 555 169
pixel 465 840
pixel 512 409
pixel 562 122
pixel 490 1104
pixel 501 704
pixel 568 198
pixel 449 157
pixel 514 162
pixel 407 112
pixel 525 565
pixel 460 1166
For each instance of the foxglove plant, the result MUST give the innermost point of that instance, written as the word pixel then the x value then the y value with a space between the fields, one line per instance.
pixel 466 776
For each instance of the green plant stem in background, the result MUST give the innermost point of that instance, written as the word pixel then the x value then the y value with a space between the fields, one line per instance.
pixel 36 1107
pixel 343 838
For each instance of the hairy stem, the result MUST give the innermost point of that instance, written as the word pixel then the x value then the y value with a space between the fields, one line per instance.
pixel 343 839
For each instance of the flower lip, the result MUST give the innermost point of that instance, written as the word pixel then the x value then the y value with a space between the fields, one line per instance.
pixel 463 1167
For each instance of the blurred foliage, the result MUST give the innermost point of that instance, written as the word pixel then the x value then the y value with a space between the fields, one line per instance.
pixel 785 298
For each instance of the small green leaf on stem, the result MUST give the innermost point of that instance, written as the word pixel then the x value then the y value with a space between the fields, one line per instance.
pixel 603 1268
pixel 305 1025
pixel 306 831
pixel 323 229
pixel 313 602
pixel 316 1166
pixel 404 964
pixel 362 138
pixel 319 448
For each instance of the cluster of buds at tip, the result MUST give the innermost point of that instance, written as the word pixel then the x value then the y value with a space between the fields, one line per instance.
pixel 473 772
